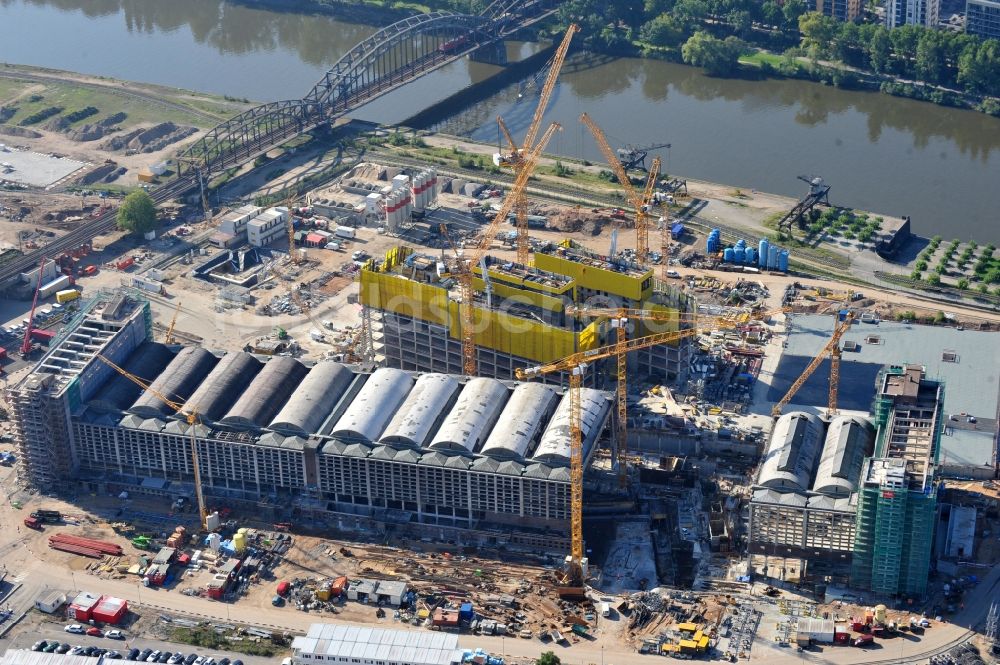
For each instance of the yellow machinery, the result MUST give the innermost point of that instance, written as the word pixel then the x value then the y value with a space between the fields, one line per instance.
pixel 641 202
pixel 465 267
pixel 192 420
pixel 516 159
pixel 575 365
pixel 169 339
pixel 833 348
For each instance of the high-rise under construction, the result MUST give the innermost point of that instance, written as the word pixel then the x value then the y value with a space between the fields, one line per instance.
pixel 897 499
pixel 525 315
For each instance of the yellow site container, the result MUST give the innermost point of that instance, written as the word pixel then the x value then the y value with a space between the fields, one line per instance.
pixel 67 295
pixel 323 592
pixel 688 646
pixel 703 643
pixel 669 648
pixel 697 636
pixel 687 627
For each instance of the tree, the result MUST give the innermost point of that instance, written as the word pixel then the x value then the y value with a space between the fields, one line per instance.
pixel 770 14
pixel 548 658
pixel 664 30
pixel 792 10
pixel 930 56
pixel 880 50
pixel 818 32
pixel 718 56
pixel 137 213
pixel 963 284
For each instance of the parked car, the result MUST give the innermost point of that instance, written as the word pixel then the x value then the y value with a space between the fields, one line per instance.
pixel 176 658
pixel 164 657
pixel 132 654
pixel 74 628
pixel 115 635
pixel 153 655
pixel 191 657
pixel 94 631
pixel 63 648
pixel 113 655
pixel 143 655
pixel 50 647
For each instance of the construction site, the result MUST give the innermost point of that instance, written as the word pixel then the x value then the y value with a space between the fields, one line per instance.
pixel 412 397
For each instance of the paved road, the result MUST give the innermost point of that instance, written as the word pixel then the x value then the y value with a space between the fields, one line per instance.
pixel 24 641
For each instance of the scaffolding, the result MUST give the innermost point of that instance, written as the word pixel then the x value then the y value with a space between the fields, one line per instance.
pixel 897 501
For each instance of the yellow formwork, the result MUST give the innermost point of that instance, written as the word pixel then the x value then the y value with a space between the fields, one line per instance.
pixel 497 330
pixel 633 287
pixel 502 290
pixel 524 284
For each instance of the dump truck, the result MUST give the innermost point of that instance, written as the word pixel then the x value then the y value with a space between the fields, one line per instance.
pixel 32 523
pixel 47 516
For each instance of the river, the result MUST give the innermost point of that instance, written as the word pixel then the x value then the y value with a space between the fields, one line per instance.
pixel 894 156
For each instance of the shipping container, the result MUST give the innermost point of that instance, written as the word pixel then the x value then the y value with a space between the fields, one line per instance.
pixel 67 295
pixel 58 284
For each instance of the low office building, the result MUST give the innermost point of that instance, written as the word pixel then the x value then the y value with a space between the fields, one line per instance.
pixel 266 227
pixel 330 644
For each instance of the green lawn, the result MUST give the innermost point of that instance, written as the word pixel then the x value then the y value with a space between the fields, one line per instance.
pixel 760 57
pixel 11 88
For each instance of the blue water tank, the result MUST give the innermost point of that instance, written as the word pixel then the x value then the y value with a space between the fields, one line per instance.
pixel 783 261
pixel 728 255
pixel 772 257
pixel 739 253
pixel 715 232
pixel 762 248
pixel 741 243
pixel 750 256
pixel 712 244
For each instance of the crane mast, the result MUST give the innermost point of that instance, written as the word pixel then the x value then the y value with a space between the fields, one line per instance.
pixel 516 159
pixel 191 417
pixel 640 202
pixel 465 266
pixel 833 348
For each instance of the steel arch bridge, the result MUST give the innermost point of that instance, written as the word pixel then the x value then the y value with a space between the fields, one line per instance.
pixel 388 59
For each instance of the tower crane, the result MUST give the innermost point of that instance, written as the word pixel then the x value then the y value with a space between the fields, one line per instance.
pixel 641 202
pixel 833 348
pixel 191 417
pixel 575 365
pixel 516 158
pixel 169 338
pixel 465 265
pixel 619 318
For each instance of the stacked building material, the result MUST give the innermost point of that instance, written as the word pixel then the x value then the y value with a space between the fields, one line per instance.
pixel 83 546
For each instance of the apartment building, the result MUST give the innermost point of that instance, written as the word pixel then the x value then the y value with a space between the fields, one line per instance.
pixel 982 18
pixel 912 12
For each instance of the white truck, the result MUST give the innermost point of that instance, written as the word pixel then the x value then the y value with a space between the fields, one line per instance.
pixel 605 610
pixel 345 232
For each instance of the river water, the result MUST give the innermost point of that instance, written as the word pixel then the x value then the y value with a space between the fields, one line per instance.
pixel 895 156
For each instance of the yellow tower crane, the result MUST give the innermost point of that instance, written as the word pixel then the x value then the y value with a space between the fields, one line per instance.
pixel 191 418
pixel 640 203
pixel 169 338
pixel 575 365
pixel 516 158
pixel 833 348
pixel 465 265
pixel 619 318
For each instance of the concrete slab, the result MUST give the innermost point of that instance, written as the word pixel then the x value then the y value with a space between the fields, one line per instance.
pixel 630 560
pixel 35 169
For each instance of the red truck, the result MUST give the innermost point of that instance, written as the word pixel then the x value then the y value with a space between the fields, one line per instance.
pixel 33 523
pixel 283 588
pixel 841 638
pixel 864 640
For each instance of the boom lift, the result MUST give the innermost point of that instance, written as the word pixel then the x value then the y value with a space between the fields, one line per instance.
pixel 192 419
pixel 833 348
pixel 465 265
pixel 516 158
pixel 640 203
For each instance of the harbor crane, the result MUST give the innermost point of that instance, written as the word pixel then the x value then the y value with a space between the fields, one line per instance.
pixel 465 265
pixel 819 192
pixel 634 156
pixel 517 157
pixel 191 417
pixel 641 202
pixel 833 348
